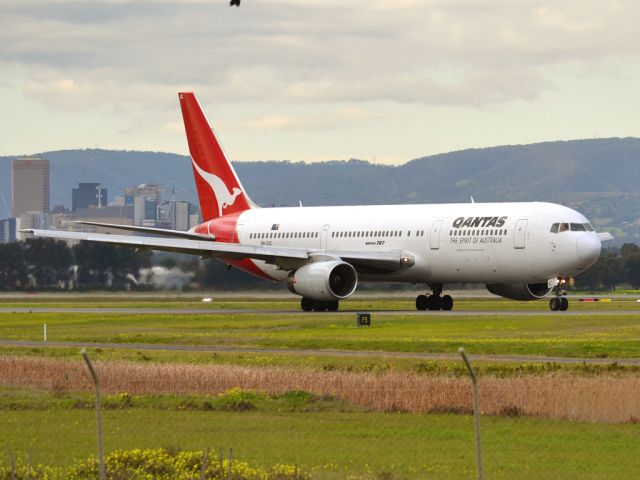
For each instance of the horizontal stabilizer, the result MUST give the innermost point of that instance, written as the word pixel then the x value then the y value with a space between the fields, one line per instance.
pixel 605 236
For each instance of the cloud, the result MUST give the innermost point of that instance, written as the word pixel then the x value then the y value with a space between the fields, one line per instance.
pixel 69 54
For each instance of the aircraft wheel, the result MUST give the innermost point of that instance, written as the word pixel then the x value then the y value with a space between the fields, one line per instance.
pixel 434 303
pixel 564 304
pixel 554 304
pixel 333 306
pixel 447 302
pixel 421 302
pixel 306 304
pixel 320 306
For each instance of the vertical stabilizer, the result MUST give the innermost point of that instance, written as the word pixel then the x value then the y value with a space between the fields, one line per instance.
pixel 219 189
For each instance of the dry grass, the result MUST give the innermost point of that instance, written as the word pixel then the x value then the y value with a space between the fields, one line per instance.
pixel 562 396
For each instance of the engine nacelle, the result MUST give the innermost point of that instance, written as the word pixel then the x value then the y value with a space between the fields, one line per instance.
pixel 324 281
pixel 520 291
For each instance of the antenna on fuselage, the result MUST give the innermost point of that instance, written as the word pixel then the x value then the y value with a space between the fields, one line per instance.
pixel 472 200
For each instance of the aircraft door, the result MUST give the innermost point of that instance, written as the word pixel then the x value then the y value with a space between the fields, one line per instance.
pixel 434 238
pixel 520 232
pixel 323 236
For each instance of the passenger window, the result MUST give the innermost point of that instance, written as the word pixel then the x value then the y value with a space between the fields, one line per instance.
pixel 577 227
pixel 563 227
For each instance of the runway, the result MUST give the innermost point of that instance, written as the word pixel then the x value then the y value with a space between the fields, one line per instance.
pixel 241 311
pixel 322 353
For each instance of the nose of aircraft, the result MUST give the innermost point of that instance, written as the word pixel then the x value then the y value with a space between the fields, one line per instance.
pixel 588 249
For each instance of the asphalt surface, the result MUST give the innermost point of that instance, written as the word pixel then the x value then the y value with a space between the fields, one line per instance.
pixel 236 311
pixel 322 353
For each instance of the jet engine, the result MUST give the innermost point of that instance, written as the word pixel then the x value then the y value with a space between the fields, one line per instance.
pixel 324 281
pixel 520 291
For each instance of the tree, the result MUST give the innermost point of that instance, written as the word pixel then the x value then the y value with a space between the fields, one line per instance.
pixel 629 249
pixel 102 265
pixel 48 261
pixel 13 268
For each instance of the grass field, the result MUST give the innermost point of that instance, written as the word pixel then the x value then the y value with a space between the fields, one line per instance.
pixel 542 333
pixel 334 436
pixel 367 301
pixel 597 398
pixel 334 443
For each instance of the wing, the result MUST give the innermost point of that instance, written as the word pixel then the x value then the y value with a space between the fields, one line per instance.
pixel 153 231
pixel 286 258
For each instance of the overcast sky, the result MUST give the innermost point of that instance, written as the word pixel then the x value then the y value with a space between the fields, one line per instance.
pixel 317 79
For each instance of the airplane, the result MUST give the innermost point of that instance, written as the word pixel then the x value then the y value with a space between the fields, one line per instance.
pixel 520 251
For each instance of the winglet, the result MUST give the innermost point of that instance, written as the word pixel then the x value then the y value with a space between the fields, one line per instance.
pixel 219 188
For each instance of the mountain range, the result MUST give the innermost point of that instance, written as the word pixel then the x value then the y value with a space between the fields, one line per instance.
pixel 598 177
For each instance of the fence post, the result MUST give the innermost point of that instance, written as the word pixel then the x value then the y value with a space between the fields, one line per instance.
pixel 230 462
pixel 29 464
pixel 476 411
pixel 96 381
pixel 12 461
pixel 205 463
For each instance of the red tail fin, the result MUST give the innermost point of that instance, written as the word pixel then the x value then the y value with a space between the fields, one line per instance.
pixel 219 189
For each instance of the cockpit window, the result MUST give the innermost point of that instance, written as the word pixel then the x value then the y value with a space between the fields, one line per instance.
pixel 574 227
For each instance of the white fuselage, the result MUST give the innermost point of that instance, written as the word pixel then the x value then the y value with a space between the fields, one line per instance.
pixel 451 243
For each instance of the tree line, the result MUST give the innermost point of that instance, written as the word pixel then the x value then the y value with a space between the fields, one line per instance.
pixel 45 263
pixel 616 266
pixel 48 264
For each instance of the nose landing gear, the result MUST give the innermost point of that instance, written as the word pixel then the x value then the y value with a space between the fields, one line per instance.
pixel 435 301
pixel 560 301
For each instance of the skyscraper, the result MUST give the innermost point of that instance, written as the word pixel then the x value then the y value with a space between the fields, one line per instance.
pixel 30 180
pixel 88 194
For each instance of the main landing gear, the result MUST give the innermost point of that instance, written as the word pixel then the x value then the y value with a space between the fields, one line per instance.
pixel 435 301
pixel 309 305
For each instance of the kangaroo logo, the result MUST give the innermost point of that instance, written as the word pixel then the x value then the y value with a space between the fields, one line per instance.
pixel 223 196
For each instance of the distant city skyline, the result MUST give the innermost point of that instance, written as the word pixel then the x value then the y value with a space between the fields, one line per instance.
pixel 310 80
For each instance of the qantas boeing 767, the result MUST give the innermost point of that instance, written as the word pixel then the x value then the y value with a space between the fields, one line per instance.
pixel 521 251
